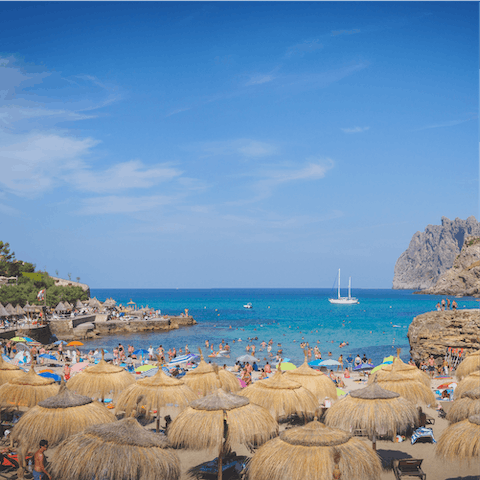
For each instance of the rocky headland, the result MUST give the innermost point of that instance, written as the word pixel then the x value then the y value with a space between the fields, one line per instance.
pixel 432 333
pixel 464 276
pixel 432 252
pixel 97 325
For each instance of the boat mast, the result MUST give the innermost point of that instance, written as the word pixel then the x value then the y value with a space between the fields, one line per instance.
pixel 338 283
pixel 349 287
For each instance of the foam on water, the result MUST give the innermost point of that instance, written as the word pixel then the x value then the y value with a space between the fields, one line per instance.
pixel 376 326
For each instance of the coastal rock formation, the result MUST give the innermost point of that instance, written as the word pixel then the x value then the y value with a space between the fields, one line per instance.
pixel 433 332
pixel 432 252
pixel 61 282
pixel 97 325
pixel 464 277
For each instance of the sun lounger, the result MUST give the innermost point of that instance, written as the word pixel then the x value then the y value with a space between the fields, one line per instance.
pixel 423 433
pixel 408 467
pixel 430 420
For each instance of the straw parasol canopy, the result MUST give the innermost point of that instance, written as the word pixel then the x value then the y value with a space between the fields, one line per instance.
pixel 399 367
pixel 153 393
pixel 79 304
pixel 466 406
pixel 373 409
pixel 8 371
pixel 207 378
pixel 282 397
pixel 316 452
pixel 470 382
pixel 200 426
pixel 19 310
pixel 221 420
pixel 461 441
pixel 3 312
pixel 60 307
pixel 10 310
pixel 470 364
pixel 57 418
pixel 413 390
pixel 120 450
pixel 101 381
pixel 318 383
pixel 27 390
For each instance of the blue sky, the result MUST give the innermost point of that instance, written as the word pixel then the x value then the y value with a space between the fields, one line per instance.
pixel 217 144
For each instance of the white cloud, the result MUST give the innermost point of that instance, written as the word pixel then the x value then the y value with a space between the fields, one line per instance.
pixel 32 163
pixel 243 146
pixel 355 129
pixel 259 78
pixel 132 174
pixel 300 49
pixel 269 180
pixel 450 123
pixel 116 204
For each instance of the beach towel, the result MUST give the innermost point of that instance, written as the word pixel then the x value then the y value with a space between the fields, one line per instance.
pixel 422 432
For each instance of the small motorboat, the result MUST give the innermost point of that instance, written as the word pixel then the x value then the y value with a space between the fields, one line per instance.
pixel 248 305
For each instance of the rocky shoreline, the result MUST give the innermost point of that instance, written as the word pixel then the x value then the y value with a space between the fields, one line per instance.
pixel 432 333
pixel 97 325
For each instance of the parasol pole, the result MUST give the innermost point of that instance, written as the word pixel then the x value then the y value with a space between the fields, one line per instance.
pixel 220 453
pixel 158 406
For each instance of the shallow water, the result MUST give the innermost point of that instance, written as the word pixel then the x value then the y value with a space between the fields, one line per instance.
pixel 377 326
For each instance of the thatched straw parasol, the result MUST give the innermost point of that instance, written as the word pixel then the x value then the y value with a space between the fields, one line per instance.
pixel 413 390
pixel 470 364
pixel 120 450
pixel 153 393
pixel 19 310
pixel 466 406
pixel 399 367
pixel 60 307
pixel 3 312
pixel 57 418
pixel 101 381
pixel 8 371
pixel 470 382
pixel 27 390
pixel 315 452
pixel 373 409
pixel 220 420
pixel 318 383
pixel 282 397
pixel 207 378
pixel 461 441
pixel 10 310
pixel 79 304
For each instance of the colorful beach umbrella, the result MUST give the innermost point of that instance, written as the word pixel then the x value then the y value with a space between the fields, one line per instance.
pixel 79 366
pixel 144 368
pixel 18 339
pixel 47 356
pixel 287 366
pixel 56 377
pixel 140 351
pixel 75 343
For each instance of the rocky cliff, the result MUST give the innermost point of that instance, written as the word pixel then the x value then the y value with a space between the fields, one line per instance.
pixel 464 277
pixel 433 332
pixel 432 252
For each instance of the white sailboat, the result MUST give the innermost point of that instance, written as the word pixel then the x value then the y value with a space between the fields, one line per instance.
pixel 344 300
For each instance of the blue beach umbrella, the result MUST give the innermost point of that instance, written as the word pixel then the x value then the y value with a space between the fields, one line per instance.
pixel 50 375
pixel 48 356
pixel 329 363
pixel 364 366
pixel 58 342
pixel 140 351
pixel 28 339
pixel 183 359
pixel 315 363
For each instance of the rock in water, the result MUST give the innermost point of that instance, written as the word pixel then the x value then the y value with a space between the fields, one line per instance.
pixel 433 332
pixel 432 253
pixel 464 277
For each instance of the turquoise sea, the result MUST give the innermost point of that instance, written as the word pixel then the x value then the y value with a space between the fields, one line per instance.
pixel 376 326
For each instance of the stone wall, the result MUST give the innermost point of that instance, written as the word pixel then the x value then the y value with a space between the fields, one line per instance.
pixel 433 332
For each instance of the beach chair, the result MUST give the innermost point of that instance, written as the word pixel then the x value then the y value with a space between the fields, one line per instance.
pixel 408 467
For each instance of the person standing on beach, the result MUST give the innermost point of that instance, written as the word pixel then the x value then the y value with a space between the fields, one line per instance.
pixel 431 366
pixel 448 304
pixel 39 472
pixel 358 360
pixel 454 305
pixel 443 304
pixel 340 361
